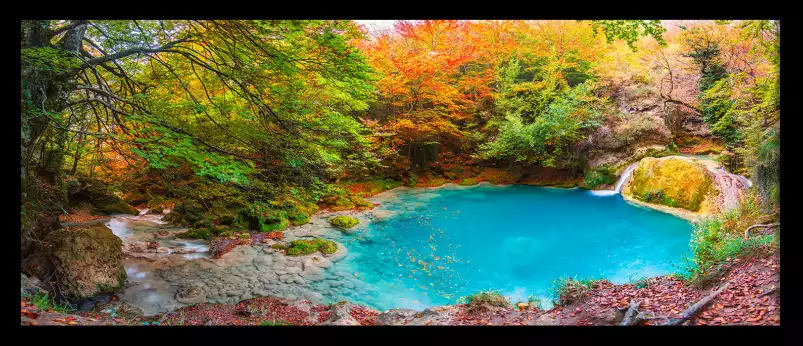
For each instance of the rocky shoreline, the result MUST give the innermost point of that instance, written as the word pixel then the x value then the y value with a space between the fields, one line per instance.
pixel 168 278
pixel 750 299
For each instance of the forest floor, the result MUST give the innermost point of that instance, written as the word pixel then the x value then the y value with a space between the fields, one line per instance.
pixel 752 298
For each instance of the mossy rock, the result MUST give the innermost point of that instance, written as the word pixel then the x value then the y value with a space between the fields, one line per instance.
pixel 188 212
pixel 118 207
pixel 674 181
pixel 343 221
pixel 262 217
pixel 341 203
pixel 279 224
pixel 305 247
pixel 99 196
pixel 298 217
pixel 88 261
pixel 204 233
pixel 361 203
pixel 220 229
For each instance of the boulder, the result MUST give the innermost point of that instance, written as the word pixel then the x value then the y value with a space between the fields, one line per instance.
pixel 674 181
pixel 396 317
pixel 99 196
pixel 191 295
pixel 87 261
pixel 341 315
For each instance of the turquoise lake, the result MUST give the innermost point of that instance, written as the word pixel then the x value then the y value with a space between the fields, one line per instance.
pixel 445 243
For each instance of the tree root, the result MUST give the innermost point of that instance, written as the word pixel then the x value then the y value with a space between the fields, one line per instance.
pixel 695 309
pixel 632 315
pixel 771 291
pixel 747 231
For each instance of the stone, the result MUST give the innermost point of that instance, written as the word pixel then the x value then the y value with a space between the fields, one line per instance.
pixel 546 320
pixel 341 315
pixel 191 295
pixel 396 317
pixel 87 261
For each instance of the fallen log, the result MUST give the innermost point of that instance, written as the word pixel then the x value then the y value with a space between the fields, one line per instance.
pixel 695 309
pixel 747 231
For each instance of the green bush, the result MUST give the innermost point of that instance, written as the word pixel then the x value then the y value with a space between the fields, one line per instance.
pixel 43 301
pixel 714 244
pixel 602 176
pixel 343 221
pixel 305 247
pixel 412 180
pixel 493 298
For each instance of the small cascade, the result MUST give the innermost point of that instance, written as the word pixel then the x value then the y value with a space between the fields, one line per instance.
pixel 622 180
pixel 741 178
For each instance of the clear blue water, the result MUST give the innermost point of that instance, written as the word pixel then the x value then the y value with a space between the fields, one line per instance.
pixel 450 242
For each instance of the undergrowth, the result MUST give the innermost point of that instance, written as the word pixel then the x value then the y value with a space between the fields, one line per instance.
pixel 45 302
pixel 493 298
pixel 718 240
pixel 567 290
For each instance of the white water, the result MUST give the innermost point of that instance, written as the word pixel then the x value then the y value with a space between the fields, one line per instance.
pixel 741 178
pixel 622 180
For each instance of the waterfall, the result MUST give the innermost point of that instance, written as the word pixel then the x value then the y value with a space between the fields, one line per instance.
pixel 622 180
pixel 746 182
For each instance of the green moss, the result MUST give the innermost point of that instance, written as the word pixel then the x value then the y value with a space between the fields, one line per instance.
pixel 601 176
pixel 262 217
pixel 197 233
pixel 343 221
pixel 305 247
pixel 298 217
pixel 412 180
pixel 672 181
pixel 118 207
pixel 280 225
pixel 278 246
pixel 360 202
pixel 220 229
pixel 244 236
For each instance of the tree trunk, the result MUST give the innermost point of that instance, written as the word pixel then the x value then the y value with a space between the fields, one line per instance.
pixel 43 93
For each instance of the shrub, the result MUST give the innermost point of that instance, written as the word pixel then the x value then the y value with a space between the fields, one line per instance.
pixel 343 221
pixel 44 302
pixel 568 290
pixel 412 181
pixel 718 240
pixel 306 247
pixel 602 176
pixel 493 298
